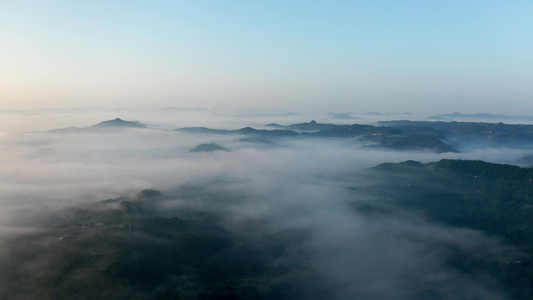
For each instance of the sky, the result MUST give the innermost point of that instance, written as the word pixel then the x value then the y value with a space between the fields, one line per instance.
pixel 387 56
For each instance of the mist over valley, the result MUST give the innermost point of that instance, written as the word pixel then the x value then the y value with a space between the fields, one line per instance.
pixel 250 208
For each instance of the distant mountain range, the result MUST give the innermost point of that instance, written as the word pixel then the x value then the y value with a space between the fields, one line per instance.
pixel 480 116
pixel 432 136
pixel 342 116
pixel 381 136
pixel 491 134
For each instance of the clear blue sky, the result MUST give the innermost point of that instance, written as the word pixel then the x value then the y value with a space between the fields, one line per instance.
pixel 388 56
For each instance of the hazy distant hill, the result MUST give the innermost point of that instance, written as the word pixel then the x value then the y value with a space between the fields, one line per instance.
pixel 354 130
pixel 244 131
pixel 119 123
pixel 259 141
pixel 390 138
pixel 211 147
pixel 203 130
pixel 110 124
pixel 526 160
pixel 310 126
pixel 491 134
pixel 342 116
pixel 481 117
pixel 420 143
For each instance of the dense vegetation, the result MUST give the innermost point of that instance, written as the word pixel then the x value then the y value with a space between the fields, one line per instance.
pixel 491 134
pixel 152 247
pixel 496 199
pixel 124 249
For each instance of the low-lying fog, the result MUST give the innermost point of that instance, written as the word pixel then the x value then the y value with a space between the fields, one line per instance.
pixel 293 183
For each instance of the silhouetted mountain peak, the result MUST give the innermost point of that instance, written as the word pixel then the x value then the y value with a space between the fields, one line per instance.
pixel 118 122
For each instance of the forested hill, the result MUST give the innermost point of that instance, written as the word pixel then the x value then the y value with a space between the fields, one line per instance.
pixel 495 198
pixel 495 134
